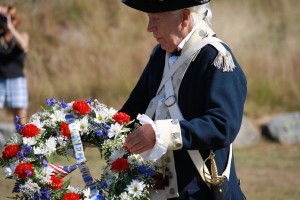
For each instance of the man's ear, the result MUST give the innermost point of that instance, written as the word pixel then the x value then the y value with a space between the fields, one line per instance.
pixel 186 17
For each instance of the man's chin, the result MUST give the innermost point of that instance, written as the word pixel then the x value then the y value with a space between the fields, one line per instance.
pixel 163 46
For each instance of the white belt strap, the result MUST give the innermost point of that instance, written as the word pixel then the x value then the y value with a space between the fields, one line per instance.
pixel 175 110
pixel 194 154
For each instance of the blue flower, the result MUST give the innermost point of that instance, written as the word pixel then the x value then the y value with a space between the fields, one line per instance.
pixel 39 156
pixel 19 127
pixel 28 173
pixel 37 196
pixel 25 152
pixel 17 187
pixel 21 155
pixel 70 118
pixel 45 193
pixel 147 171
pixel 99 132
pixel 103 184
pixel 42 194
pixel 63 104
pixel 51 102
pixel 97 196
pixel 89 101
pixel 105 125
pixel 102 133
pixel 17 118
pixel 44 163
pixel 27 149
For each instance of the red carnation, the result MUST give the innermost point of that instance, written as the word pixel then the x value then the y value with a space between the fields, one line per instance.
pixel 81 107
pixel 24 170
pixel 71 196
pixel 10 151
pixel 121 118
pixel 120 164
pixel 56 183
pixel 30 130
pixel 64 130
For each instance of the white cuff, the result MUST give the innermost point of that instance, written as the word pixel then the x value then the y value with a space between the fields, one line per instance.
pixel 171 133
pixel 160 148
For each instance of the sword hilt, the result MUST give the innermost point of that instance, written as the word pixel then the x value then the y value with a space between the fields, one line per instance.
pixel 213 179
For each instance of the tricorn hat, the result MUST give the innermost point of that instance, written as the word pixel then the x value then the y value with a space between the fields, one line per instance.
pixel 155 6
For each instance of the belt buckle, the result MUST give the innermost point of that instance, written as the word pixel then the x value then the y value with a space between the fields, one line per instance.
pixel 170 101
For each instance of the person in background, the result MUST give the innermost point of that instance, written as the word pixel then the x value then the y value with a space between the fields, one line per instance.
pixel 13 48
pixel 190 103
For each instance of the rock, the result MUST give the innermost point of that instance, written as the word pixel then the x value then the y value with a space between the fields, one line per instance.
pixel 248 134
pixel 284 128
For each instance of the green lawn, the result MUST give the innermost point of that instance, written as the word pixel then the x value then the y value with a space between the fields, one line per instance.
pixel 269 171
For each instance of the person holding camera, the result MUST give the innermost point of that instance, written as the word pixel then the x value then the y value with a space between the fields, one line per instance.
pixel 14 46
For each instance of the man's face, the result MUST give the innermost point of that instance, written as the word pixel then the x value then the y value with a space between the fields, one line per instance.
pixel 167 29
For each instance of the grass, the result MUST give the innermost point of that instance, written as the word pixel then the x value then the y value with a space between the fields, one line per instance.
pixel 268 171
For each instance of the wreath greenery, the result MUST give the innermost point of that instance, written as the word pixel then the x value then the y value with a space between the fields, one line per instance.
pixel 62 129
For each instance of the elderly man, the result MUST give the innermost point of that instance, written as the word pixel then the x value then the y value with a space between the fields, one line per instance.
pixel 193 92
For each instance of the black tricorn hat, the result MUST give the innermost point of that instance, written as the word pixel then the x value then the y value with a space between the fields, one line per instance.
pixel 156 6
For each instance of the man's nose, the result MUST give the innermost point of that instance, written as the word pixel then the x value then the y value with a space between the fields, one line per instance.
pixel 151 26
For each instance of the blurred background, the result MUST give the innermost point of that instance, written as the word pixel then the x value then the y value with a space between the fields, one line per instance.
pixel 97 49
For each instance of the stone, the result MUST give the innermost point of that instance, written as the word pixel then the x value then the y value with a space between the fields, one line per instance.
pixel 284 128
pixel 249 134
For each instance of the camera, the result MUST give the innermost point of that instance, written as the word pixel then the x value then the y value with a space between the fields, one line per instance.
pixel 3 22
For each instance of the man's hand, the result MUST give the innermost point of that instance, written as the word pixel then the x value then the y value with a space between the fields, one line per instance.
pixel 141 139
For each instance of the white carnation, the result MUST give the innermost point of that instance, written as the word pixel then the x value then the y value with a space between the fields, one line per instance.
pixel 29 141
pixel 51 145
pixel 136 188
pixel 135 158
pixel 58 116
pixel 115 129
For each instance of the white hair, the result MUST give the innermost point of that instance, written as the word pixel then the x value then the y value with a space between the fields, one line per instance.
pixel 199 13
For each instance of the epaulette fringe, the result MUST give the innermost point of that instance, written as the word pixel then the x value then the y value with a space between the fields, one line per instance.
pixel 224 62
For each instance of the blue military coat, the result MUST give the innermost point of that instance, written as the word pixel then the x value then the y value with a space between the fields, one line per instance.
pixel 212 104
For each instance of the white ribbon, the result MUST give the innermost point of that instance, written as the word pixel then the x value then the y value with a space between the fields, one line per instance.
pixel 80 157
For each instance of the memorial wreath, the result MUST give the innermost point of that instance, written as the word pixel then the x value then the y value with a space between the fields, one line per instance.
pixel 64 129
